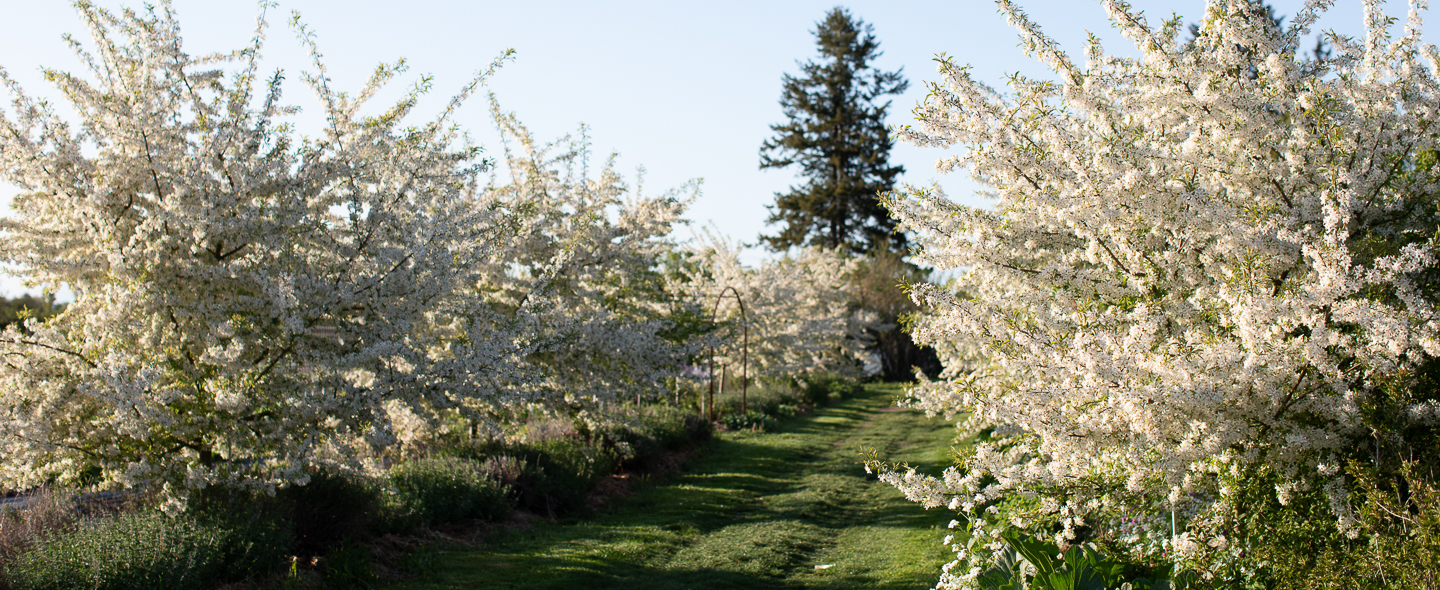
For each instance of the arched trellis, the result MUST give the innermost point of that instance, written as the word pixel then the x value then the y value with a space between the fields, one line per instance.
pixel 744 354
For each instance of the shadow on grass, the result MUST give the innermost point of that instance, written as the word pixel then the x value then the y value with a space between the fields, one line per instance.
pixel 758 511
pixel 558 575
pixel 544 573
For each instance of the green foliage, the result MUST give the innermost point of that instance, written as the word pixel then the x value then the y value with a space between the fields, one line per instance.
pixel 557 475
pixel 1400 520
pixel 1394 538
pixel 835 131
pixel 147 549
pixel 558 465
pixel 752 420
pixel 1395 543
pixel 439 490
pixel 332 507
pixel 348 566
pixel 764 396
pixel 28 306
pixel 1026 563
pixel 766 401
pixel 821 388
pixel 653 433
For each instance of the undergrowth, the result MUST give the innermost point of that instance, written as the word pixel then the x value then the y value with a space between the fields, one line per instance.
pixel 319 534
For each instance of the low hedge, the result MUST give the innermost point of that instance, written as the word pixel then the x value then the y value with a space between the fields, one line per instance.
pixel 448 489
pixel 557 475
pixel 149 549
pixel 230 535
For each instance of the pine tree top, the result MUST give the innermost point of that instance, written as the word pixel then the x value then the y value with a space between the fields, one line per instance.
pixel 835 132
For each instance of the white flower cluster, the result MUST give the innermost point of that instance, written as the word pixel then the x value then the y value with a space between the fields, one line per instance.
pixel 1206 259
pixel 249 304
pixel 581 278
pixel 795 307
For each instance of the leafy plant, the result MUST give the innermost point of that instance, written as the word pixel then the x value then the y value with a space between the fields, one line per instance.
pixel 558 475
pixel 822 387
pixel 1025 563
pixel 348 566
pixel 752 420
pixel 439 490
pixel 148 549
pixel 329 508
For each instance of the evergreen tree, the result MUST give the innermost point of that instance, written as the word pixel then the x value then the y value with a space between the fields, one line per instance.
pixel 835 131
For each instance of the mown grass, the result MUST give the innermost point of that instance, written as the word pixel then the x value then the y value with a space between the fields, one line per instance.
pixel 757 511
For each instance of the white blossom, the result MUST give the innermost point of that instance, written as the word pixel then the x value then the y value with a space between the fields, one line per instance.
pixel 794 308
pixel 1199 260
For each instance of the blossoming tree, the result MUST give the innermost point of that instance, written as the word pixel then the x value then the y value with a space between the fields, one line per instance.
pixel 1207 267
pixel 581 282
pixel 246 302
pixel 794 307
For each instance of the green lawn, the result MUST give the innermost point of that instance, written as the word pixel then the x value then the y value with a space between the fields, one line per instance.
pixel 755 511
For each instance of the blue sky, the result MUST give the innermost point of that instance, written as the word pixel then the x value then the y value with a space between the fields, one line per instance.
pixel 685 89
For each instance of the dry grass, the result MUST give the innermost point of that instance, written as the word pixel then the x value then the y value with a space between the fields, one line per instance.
pixel 39 514
pixel 31 517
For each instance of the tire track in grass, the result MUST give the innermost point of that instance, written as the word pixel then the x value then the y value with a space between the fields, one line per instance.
pixel 790 509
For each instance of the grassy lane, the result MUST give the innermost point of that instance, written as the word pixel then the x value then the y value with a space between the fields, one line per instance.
pixel 756 511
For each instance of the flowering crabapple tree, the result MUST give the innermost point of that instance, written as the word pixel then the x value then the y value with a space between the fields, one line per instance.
pixel 1207 267
pixel 581 281
pixel 795 308
pixel 247 302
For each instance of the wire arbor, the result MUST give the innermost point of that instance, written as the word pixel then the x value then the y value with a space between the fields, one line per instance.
pixel 744 354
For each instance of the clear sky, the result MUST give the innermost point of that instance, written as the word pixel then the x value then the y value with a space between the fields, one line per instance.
pixel 687 89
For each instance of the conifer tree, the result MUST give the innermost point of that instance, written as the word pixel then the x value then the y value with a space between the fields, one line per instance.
pixel 835 131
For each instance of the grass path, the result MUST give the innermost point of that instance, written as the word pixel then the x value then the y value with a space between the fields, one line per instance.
pixel 755 511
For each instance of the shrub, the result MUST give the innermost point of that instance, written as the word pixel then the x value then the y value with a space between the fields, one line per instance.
pixel 751 420
pixel 348 566
pixel 764 396
pixel 666 428
pixel 557 475
pixel 504 469
pixel 696 429
pixel 649 435
pixel 46 512
pixel 147 549
pixel 819 388
pixel 554 470
pixel 447 489
pixel 545 430
pixel 331 507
